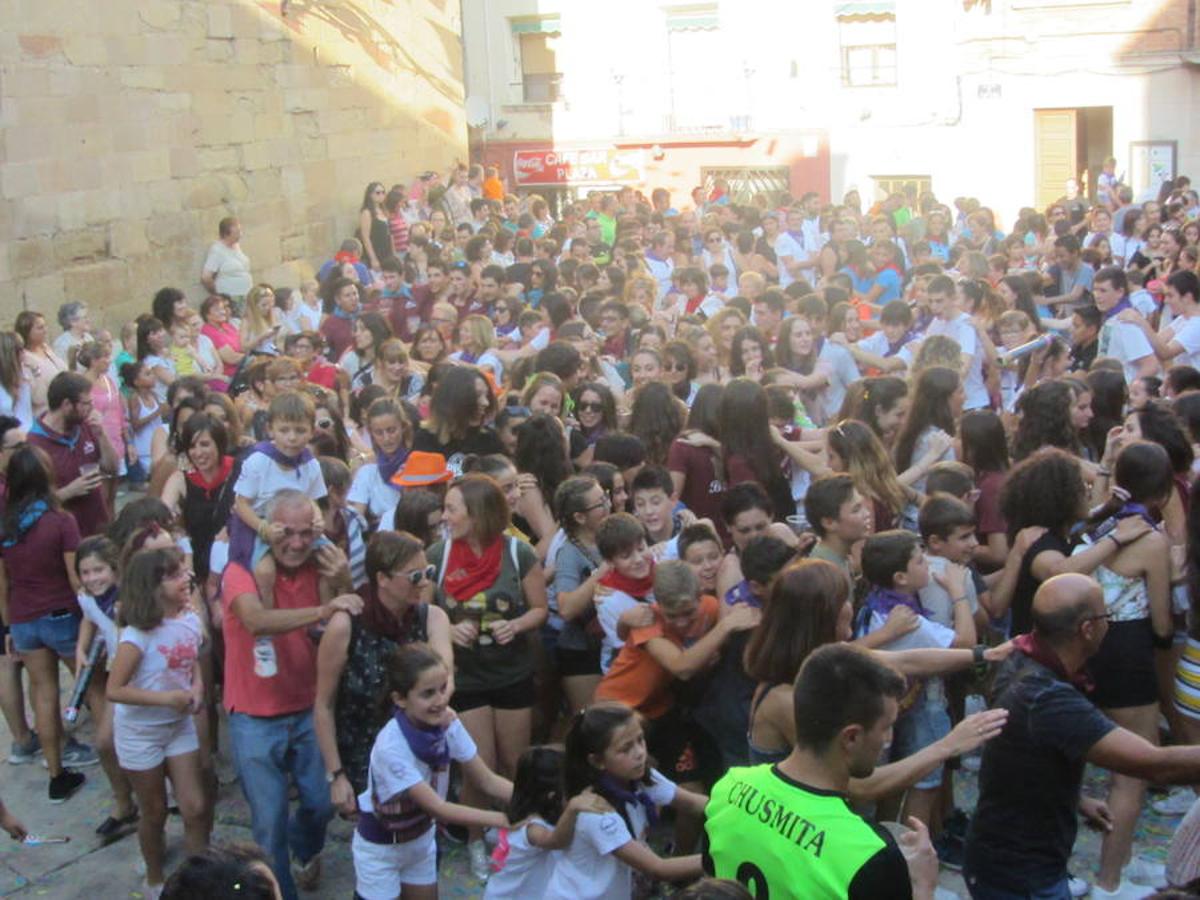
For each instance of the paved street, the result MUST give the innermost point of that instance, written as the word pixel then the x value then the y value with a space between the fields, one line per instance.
pixel 82 868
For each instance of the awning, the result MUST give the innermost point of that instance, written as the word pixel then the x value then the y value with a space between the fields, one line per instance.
pixel 693 18
pixel 865 9
pixel 546 25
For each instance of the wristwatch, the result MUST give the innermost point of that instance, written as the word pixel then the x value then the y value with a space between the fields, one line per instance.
pixel 331 777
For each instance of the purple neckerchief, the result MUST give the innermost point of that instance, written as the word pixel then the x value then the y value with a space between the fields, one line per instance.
pixel 389 464
pixel 427 744
pixel 619 791
pixel 107 600
pixel 1136 509
pixel 741 593
pixel 894 348
pixel 884 600
pixel 797 236
pixel 650 254
pixel 468 357
pixel 282 458
pixel 1122 304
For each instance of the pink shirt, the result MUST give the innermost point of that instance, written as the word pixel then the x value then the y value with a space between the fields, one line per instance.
pixel 107 400
pixel 223 335
pixel 293 688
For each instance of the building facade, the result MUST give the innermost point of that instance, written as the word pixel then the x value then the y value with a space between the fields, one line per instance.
pixel 130 128
pixel 1002 100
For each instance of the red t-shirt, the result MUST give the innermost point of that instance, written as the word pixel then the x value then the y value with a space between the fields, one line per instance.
pixel 323 374
pixel 703 486
pixel 410 313
pixel 293 688
pixel 38 583
pixel 66 456
pixel 636 679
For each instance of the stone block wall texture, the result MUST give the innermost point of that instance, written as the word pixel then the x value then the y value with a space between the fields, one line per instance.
pixel 130 128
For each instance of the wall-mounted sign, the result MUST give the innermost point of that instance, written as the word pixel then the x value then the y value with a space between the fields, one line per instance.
pixel 563 167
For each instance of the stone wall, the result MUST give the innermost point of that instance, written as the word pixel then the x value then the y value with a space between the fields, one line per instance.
pixel 129 128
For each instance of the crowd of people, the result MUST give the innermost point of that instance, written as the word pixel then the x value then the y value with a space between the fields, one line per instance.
pixel 521 528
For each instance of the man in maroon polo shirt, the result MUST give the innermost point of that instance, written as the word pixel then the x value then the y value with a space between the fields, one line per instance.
pixel 82 457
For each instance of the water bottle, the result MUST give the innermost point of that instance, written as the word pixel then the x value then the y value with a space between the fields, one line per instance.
pixel 82 679
pixel 264 657
pixel 1009 357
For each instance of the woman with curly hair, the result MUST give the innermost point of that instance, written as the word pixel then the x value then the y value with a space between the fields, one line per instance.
pixel 750 355
pixel 937 350
pixel 657 417
pixel 1046 490
pixel 1046 420
pixel 937 403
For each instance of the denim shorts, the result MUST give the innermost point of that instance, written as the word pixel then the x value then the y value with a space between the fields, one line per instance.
pixel 924 724
pixel 57 631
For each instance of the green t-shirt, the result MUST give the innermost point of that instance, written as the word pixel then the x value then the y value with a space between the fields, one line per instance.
pixel 488 664
pixel 783 839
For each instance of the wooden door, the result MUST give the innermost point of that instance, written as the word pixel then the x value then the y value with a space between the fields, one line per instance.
pixel 1055 152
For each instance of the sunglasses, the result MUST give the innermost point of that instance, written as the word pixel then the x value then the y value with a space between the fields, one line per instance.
pixel 418 575
pixel 324 423
pixel 589 406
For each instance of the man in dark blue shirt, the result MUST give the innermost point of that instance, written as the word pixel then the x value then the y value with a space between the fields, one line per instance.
pixel 1029 783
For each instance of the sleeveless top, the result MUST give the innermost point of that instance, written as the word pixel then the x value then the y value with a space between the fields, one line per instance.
pixel 358 715
pixel 757 754
pixel 1125 597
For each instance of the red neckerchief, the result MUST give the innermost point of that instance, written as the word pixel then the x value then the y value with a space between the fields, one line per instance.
pixel 210 486
pixel 634 587
pixel 693 304
pixel 1037 650
pixel 468 574
pixel 343 256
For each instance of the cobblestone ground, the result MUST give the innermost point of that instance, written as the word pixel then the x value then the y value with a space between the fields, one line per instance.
pixel 82 868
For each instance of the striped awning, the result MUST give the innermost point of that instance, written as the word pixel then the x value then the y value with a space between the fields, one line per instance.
pixel 693 18
pixel 544 25
pixel 865 9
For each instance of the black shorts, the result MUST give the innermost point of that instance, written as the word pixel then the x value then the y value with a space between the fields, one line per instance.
pixel 577 662
pixel 1123 667
pixel 512 696
pixel 682 750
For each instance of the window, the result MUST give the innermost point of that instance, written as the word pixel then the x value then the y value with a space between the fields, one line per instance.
pixel 867 34
pixel 537 45
pixel 886 185
pixel 747 183
pixel 696 60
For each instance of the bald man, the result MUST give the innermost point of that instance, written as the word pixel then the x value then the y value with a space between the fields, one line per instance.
pixel 1024 826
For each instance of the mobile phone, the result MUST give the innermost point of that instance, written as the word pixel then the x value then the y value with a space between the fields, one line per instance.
pixel 37 840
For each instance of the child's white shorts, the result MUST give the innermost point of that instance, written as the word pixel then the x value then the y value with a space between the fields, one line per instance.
pixel 141 747
pixel 380 869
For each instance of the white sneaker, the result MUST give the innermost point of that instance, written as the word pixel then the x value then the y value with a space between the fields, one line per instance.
pixel 1145 871
pixel 1077 886
pixel 481 866
pixel 1176 803
pixel 1125 891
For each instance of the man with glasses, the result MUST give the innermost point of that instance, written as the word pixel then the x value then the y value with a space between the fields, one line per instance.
pixel 80 453
pixel 270 686
pixel 1024 826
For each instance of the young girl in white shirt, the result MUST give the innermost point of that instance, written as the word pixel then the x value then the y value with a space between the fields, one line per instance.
pixel 527 851
pixel 606 751
pixel 155 682
pixel 394 844
pixel 96 564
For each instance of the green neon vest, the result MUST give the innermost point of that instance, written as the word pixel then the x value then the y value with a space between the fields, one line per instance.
pixel 782 840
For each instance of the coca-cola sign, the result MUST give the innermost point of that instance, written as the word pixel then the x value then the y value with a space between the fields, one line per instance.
pixel 563 167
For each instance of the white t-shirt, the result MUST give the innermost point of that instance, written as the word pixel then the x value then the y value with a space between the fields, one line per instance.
pixel 662 271
pixel 395 768
pixel 709 306
pixel 169 654
pixel 1124 342
pixel 878 344
pixel 262 478
pixel 587 870
pixel 963 332
pixel 527 869
pixel 788 248
pixel 302 318
pixel 610 603
pixel 927 635
pixel 369 489
pixel 160 387
pixel 1186 331
pixel 231 268
pixel 843 373
pixel 106 628
pixel 19 407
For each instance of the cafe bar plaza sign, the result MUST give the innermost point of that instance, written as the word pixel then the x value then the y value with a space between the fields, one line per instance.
pixel 566 167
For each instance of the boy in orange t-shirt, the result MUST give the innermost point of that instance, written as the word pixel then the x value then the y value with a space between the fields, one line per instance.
pixel 678 637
